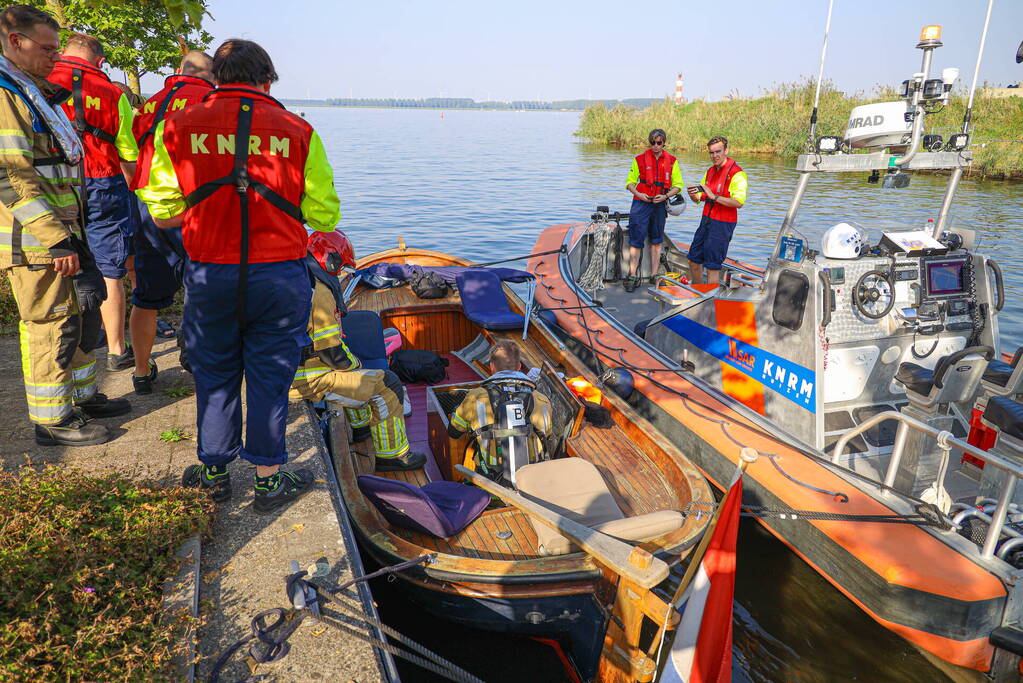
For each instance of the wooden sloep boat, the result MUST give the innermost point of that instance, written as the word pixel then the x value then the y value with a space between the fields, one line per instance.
pixel 492 575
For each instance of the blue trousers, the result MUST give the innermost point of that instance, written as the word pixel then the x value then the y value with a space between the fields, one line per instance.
pixel 266 352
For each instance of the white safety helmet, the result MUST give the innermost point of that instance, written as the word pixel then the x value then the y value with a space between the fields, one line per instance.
pixel 676 204
pixel 843 241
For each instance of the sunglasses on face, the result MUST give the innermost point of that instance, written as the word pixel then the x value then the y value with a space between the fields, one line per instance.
pixel 657 143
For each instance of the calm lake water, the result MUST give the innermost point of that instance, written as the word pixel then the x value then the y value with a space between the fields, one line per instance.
pixel 485 184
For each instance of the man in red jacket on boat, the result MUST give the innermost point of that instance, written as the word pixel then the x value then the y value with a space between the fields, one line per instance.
pixel 723 192
pixel 653 179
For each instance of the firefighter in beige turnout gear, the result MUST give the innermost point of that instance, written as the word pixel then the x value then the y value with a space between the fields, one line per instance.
pixel 507 417
pixel 331 372
pixel 40 251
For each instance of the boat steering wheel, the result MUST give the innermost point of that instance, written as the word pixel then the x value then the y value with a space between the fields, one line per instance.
pixel 874 294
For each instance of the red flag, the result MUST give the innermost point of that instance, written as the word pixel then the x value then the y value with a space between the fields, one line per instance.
pixel 702 649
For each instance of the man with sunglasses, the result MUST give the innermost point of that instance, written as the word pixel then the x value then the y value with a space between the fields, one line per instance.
pixel 41 252
pixel 240 174
pixel 723 192
pixel 103 116
pixel 653 179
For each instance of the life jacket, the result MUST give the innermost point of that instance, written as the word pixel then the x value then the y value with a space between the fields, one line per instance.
pixel 266 174
pixel 718 181
pixel 221 180
pixel 179 91
pixel 511 403
pixel 654 173
pixel 91 101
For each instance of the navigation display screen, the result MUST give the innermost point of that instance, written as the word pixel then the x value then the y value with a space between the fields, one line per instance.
pixel 945 277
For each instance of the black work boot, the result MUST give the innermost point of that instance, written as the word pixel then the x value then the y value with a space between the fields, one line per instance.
pixel 214 479
pixel 74 430
pixel 144 385
pixel 102 406
pixel 410 460
pixel 280 489
pixel 121 361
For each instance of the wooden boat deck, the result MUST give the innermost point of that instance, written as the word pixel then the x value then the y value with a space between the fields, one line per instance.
pixel 635 482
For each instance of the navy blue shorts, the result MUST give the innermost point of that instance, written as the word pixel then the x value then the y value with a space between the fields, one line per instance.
pixel 108 223
pixel 159 261
pixel 646 219
pixel 710 243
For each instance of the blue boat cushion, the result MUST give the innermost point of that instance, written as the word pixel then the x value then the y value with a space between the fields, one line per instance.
pixel 484 302
pixel 440 508
pixel 1005 414
pixel 364 335
pixel 916 378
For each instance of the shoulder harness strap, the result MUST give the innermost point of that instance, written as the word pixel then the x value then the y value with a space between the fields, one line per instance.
pixel 79 123
pixel 161 112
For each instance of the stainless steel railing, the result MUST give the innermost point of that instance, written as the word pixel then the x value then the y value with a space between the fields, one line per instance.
pixel 946 442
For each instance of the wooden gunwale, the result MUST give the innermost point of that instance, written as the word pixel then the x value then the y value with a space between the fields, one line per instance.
pixel 481 576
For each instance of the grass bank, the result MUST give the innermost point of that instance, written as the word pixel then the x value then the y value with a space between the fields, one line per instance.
pixel 778 124
pixel 82 561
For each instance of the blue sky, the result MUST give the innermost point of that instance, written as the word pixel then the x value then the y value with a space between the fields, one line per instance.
pixel 568 49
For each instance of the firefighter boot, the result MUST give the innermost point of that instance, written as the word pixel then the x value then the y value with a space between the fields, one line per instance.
pixel 73 430
pixel 409 460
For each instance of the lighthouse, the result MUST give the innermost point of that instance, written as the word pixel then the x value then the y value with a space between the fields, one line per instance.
pixel 678 89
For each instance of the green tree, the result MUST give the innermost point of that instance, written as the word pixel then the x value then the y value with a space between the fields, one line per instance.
pixel 139 36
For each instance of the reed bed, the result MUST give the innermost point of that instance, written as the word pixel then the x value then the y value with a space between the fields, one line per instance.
pixel 778 122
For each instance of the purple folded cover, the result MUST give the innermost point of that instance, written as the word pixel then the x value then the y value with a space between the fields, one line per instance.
pixel 440 508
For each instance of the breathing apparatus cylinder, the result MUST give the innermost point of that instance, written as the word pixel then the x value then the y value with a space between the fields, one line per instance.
pixel 515 448
pixel 511 401
pixel 620 381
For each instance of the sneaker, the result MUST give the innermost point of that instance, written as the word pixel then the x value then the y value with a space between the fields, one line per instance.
pixel 409 461
pixel 117 362
pixel 630 283
pixel 360 434
pixel 287 488
pixel 199 476
pixel 74 430
pixel 144 385
pixel 102 406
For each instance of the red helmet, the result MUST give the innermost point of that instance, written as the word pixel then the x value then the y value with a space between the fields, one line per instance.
pixel 332 250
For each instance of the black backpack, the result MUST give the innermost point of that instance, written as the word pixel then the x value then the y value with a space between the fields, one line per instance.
pixel 413 365
pixel 428 285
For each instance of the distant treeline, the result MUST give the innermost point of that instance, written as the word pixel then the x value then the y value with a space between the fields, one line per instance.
pixel 469 103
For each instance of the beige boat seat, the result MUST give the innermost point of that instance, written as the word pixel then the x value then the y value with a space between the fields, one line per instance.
pixel 573 487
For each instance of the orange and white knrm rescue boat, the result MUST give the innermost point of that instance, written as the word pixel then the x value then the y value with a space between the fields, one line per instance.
pixel 864 367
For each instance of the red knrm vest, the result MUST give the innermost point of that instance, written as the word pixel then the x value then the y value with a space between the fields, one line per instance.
pixel 654 173
pixel 200 141
pixel 179 91
pixel 99 101
pixel 718 182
